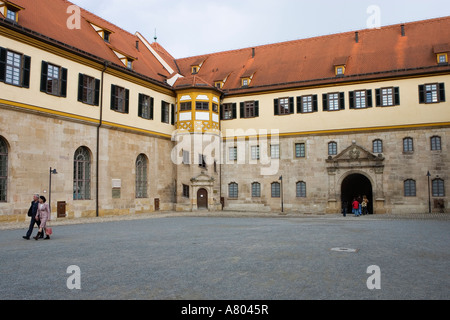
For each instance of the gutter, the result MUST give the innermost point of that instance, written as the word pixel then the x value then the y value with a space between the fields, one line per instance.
pixel 97 161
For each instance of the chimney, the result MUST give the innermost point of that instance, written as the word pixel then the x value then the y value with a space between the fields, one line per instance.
pixel 253 52
pixel 403 30
pixel 356 37
pixel 137 44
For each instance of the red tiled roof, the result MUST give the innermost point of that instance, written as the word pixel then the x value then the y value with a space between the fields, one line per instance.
pixel 378 52
pixel 192 81
pixel 49 18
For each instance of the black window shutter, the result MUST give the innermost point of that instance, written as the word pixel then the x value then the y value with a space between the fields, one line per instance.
pixel 291 105
pixel 325 101
pixel 441 92
pixel 234 110
pixel 369 98
pixel 152 108
pixel 351 95
pixel 163 113
pixel 256 106
pixel 80 87
pixel 127 101
pixel 397 96
pixel 242 111
pixel 276 107
pixel 221 112
pixel 3 54
pixel 63 92
pixel 299 104
pixel 113 97
pixel 141 99
pixel 315 104
pixel 342 100
pixel 172 119
pixel 44 72
pixel 378 97
pixel 97 92
pixel 26 71
pixel 421 94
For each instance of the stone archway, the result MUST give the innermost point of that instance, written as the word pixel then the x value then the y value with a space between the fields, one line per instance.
pixel 356 185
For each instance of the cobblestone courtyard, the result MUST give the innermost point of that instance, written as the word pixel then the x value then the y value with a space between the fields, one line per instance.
pixel 272 257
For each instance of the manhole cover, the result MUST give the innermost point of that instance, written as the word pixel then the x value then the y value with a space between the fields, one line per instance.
pixel 344 250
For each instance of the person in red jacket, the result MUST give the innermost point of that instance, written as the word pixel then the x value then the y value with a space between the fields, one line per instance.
pixel 355 207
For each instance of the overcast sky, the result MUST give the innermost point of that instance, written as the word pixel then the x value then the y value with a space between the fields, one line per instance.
pixel 193 27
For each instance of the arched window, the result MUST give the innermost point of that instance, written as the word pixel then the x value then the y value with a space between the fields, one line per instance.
pixel 276 190
pixel 301 189
pixel 408 145
pixel 438 189
pixel 332 148
pixel 141 177
pixel 377 146
pixel 233 190
pixel 409 188
pixel 3 170
pixel 82 174
pixel 436 143
pixel 256 190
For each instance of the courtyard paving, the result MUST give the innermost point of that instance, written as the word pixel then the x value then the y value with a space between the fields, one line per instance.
pixel 230 256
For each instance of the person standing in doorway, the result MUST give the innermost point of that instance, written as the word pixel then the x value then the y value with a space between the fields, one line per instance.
pixel 43 215
pixel 32 213
pixel 355 207
pixel 344 207
pixel 364 205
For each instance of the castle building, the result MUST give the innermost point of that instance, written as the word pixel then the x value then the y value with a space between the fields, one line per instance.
pixel 105 122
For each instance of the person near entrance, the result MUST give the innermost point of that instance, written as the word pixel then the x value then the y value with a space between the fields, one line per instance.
pixel 32 213
pixel 344 207
pixel 364 205
pixel 44 215
pixel 355 207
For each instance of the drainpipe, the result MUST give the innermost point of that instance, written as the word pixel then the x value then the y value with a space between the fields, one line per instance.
pixel 105 66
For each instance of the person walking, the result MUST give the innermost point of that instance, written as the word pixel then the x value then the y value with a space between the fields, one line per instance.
pixel 43 215
pixel 344 207
pixel 32 213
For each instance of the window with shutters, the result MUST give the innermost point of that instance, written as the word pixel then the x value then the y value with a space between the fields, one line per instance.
pixel 284 106
pixel 14 68
pixel 333 101
pixel 228 111
pixel 145 107
pixel 388 97
pixel 53 79
pixel 88 90
pixel 360 99
pixel 119 99
pixel 165 112
pixel 307 104
pixel 249 109
pixel 432 93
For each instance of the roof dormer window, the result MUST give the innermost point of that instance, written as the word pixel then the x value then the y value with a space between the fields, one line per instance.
pixel 245 82
pixel 126 59
pixel 340 70
pixel 218 84
pixel 195 69
pixel 442 58
pixel 102 32
pixel 441 51
pixel 10 10
pixel 106 35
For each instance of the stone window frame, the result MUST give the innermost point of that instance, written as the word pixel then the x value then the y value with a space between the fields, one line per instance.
pixel 409 188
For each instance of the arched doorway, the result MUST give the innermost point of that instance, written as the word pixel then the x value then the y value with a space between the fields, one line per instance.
pixel 354 186
pixel 202 199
